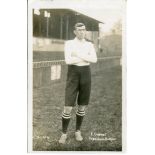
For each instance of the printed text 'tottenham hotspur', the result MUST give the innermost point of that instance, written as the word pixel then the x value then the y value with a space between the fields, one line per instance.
pixel 100 137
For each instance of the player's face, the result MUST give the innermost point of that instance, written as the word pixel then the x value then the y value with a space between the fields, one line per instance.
pixel 80 32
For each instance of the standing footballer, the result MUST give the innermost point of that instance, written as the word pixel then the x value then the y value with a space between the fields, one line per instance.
pixel 79 53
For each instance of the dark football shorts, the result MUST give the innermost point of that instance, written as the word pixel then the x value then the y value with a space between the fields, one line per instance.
pixel 78 85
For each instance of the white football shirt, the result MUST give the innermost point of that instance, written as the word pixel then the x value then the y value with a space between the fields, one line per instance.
pixel 79 52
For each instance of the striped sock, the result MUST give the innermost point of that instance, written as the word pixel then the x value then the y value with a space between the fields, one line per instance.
pixel 65 122
pixel 79 119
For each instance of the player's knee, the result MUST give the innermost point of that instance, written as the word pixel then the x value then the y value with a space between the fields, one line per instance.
pixel 81 108
pixel 67 109
pixel 81 111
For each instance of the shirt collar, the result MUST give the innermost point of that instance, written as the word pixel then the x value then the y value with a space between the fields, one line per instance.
pixel 80 41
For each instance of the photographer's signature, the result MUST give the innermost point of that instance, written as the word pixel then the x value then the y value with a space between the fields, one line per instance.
pixel 41 137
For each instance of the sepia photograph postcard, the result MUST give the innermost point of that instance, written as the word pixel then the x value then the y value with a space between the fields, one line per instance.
pixel 76 75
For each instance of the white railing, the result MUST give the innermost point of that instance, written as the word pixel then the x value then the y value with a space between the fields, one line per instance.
pixel 40 64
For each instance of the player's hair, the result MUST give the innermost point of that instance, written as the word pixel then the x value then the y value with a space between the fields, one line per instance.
pixel 78 25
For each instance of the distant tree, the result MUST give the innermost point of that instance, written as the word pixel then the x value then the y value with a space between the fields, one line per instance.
pixel 117 28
